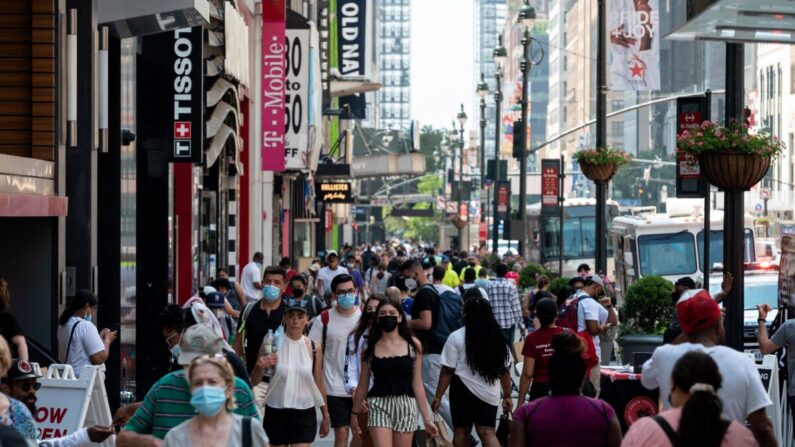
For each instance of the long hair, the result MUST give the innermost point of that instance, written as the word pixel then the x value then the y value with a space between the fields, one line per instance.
pixel 566 366
pixel 700 424
pixel 376 333
pixel 77 302
pixel 5 299
pixel 363 323
pixel 486 351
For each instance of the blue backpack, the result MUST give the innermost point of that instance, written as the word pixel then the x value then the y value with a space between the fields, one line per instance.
pixel 450 310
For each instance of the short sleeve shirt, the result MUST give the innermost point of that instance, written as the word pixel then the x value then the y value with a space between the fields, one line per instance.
pixel 251 274
pixel 334 352
pixel 85 343
pixel 327 275
pixel 180 435
pixel 427 299
pixel 590 310
pixel 454 356
pixel 785 336
pixel 647 432
pixel 538 346
pixel 566 421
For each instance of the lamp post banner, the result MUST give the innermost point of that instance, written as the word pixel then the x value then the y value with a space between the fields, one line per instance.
pixel 297 102
pixel 550 186
pixel 634 45
pixel 355 50
pixel 273 72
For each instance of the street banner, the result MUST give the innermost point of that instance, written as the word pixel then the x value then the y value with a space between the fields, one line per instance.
pixel 550 186
pixel 273 85
pixel 503 199
pixel 691 112
pixel 634 45
pixel 297 101
pixel 325 50
pixel 354 29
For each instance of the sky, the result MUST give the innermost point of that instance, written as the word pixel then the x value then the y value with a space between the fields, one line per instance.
pixel 441 61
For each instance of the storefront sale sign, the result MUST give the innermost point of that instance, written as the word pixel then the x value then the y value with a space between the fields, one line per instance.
pixel 634 45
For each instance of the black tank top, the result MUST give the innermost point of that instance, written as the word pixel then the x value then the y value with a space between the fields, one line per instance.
pixel 392 376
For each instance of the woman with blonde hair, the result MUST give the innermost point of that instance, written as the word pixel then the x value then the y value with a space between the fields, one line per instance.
pixel 211 382
pixel 13 413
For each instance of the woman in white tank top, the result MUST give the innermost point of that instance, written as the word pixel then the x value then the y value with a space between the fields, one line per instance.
pixel 296 386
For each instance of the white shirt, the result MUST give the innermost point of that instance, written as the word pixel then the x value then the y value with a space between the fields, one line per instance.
pixel 327 275
pixel 85 343
pixel 742 392
pixel 251 274
pixel 441 288
pixel 590 310
pixel 353 361
pixel 339 327
pixel 293 384
pixel 454 356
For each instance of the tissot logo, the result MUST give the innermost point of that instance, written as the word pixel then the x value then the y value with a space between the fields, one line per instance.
pixel 183 85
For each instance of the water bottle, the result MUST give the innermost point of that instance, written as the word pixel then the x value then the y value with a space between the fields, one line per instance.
pixel 267 348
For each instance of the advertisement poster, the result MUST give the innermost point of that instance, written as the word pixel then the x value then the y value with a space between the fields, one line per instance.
pixel 634 44
pixel 355 40
pixel 273 72
pixel 297 101
pixel 550 186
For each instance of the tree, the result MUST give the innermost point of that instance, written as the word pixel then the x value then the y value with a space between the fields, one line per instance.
pixel 625 183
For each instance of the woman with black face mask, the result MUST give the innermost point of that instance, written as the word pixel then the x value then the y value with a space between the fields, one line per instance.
pixel 357 343
pixel 394 360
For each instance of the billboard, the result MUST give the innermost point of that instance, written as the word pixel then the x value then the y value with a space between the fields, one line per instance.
pixel 354 35
pixel 634 45
pixel 273 72
pixel 297 101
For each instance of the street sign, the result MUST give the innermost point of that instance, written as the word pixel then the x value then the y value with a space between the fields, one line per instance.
pixel 758 207
pixel 503 198
pixel 691 111
pixel 765 193
pixel 550 186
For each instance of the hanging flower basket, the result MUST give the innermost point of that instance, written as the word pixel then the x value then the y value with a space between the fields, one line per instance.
pixel 600 165
pixel 730 157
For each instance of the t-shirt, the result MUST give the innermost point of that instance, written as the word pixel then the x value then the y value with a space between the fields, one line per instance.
pixel 785 336
pixel 566 421
pixel 327 275
pixel 9 328
pixel 251 274
pixel 538 345
pixel 646 432
pixel 441 288
pixel 427 299
pixel 85 343
pixel 454 356
pixel 167 404
pixel 179 436
pixel 590 310
pixel 339 327
pixel 742 392
pixel 257 326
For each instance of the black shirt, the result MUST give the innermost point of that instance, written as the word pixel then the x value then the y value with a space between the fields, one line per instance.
pixel 460 266
pixel 427 299
pixel 9 328
pixel 257 326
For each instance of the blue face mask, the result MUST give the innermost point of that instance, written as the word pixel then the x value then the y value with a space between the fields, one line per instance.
pixel 346 301
pixel 176 350
pixel 88 317
pixel 271 293
pixel 208 400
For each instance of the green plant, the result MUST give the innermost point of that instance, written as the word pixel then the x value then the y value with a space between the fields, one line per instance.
pixel 490 261
pixel 647 307
pixel 527 277
pixel 602 156
pixel 556 285
pixel 712 136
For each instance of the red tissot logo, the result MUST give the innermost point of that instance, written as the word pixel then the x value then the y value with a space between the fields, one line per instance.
pixel 639 407
pixel 182 130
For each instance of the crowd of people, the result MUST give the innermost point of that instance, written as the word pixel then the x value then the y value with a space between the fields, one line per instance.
pixel 387 345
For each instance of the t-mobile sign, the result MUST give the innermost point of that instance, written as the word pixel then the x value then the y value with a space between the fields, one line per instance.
pixel 273 84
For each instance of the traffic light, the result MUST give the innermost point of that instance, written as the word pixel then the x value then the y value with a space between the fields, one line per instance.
pixel 639 189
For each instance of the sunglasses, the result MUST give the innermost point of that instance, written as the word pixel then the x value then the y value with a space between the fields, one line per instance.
pixel 26 386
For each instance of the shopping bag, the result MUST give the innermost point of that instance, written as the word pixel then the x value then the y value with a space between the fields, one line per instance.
pixel 504 429
pixel 443 438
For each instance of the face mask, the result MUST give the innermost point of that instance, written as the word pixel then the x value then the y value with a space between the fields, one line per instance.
pixel 346 301
pixel 271 293
pixel 411 283
pixel 208 400
pixel 388 323
pixel 259 264
pixel 298 293
pixel 369 316
pixel 175 350
pixel 88 317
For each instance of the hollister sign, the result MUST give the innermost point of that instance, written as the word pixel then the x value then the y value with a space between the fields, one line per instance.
pixel 338 192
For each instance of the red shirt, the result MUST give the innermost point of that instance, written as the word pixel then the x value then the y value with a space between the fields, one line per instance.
pixel 514 277
pixel 538 345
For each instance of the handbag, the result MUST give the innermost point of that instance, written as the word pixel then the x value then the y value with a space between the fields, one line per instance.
pixel 442 439
pixel 504 429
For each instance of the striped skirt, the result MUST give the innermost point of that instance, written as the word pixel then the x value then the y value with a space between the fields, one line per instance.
pixel 398 413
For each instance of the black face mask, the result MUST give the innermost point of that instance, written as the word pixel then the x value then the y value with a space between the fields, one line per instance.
pixel 369 316
pixel 388 323
pixel 298 293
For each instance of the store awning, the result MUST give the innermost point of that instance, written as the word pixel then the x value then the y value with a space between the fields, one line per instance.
pixel 27 188
pixel 128 18
pixel 769 21
pixel 352 87
pixel 390 165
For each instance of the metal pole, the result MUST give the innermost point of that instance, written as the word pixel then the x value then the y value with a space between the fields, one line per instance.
pixel 562 177
pixel 495 227
pixel 707 210
pixel 460 184
pixel 601 138
pixel 733 226
pixel 525 66
pixel 484 196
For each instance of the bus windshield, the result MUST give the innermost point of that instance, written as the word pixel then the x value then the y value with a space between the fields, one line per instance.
pixel 579 229
pixel 667 254
pixel 716 247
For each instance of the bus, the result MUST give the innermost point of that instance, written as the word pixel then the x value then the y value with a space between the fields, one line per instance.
pixel 670 245
pixel 579 230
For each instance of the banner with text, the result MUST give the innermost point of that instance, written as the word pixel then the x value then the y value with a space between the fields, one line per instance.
pixel 550 186
pixel 273 85
pixel 634 45
pixel 297 101
pixel 354 27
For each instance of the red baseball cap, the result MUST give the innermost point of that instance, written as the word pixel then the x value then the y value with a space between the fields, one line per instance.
pixel 698 312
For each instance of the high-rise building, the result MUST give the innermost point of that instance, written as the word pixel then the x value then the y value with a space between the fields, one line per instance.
pixel 394 64
pixel 489 19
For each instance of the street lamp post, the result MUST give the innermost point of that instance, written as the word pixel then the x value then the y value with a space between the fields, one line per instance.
pixel 483 91
pixel 527 16
pixel 462 119
pixel 453 146
pixel 500 56
pixel 601 137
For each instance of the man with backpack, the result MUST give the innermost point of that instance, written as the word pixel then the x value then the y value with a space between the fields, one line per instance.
pixel 433 318
pixel 505 301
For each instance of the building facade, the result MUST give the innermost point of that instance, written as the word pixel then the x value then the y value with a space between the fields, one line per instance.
pixel 394 64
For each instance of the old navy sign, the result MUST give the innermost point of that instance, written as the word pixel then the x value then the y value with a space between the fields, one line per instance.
pixel 353 28
pixel 273 72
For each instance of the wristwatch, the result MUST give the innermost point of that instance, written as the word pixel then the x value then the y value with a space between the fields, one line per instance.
pixel 761 320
